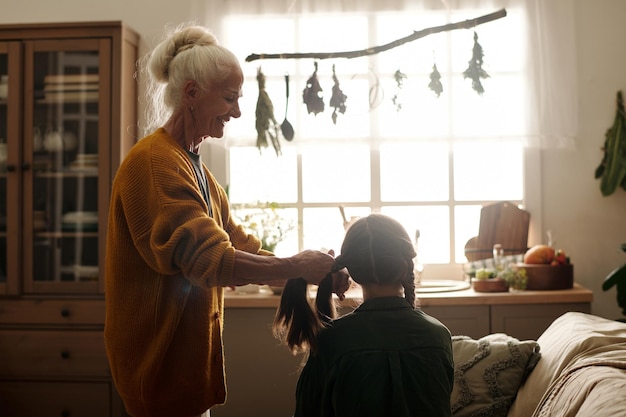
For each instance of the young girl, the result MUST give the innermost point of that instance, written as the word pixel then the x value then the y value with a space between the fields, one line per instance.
pixel 386 358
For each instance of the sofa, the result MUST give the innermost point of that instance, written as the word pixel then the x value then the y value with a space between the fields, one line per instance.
pixel 577 367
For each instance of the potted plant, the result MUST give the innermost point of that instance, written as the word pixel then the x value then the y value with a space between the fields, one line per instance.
pixel 265 221
pixel 499 279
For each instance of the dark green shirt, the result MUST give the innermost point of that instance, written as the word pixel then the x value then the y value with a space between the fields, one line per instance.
pixel 385 359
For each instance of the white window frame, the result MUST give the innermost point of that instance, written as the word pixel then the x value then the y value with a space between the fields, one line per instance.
pixel 217 158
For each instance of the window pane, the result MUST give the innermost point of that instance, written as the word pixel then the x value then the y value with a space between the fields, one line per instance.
pixel 433 223
pixel 503 100
pixel 414 56
pixel 466 220
pixel 422 113
pixel 488 170
pixel 414 171
pixel 353 124
pixel 277 227
pixel 340 173
pixel 262 177
pixel 323 227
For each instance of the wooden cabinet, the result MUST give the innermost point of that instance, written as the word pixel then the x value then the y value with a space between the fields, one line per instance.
pixel 524 314
pixel 68 115
pixel 472 321
pixel 528 322
pixel 524 322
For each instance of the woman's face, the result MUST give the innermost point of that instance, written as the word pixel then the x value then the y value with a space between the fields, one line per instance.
pixel 218 104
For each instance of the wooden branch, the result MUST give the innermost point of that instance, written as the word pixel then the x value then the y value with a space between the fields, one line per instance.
pixel 466 24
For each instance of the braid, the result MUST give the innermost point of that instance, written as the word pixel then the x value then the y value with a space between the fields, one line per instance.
pixel 409 287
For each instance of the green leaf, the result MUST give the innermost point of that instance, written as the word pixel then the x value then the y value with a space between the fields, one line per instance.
pixel 615 152
pixel 615 276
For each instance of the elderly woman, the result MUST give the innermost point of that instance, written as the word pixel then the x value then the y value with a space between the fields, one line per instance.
pixel 172 244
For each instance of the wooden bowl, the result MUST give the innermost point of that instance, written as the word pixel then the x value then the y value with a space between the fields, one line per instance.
pixel 489 285
pixel 548 277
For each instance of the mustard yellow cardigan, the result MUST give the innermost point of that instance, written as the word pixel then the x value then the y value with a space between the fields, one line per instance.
pixel 166 265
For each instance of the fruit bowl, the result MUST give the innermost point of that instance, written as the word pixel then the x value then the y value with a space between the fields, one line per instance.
pixel 548 277
pixel 489 285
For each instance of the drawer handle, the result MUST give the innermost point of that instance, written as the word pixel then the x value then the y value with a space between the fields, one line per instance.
pixel 65 312
pixel 65 354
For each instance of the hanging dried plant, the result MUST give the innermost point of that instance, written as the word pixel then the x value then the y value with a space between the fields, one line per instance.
pixel 475 69
pixel 266 124
pixel 312 94
pixel 399 78
pixel 338 98
pixel 435 83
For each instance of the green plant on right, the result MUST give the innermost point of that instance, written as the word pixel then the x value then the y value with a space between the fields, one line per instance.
pixel 617 278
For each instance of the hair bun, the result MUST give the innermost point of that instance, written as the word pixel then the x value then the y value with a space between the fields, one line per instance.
pixel 180 40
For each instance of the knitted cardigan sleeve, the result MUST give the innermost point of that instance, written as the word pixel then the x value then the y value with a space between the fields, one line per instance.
pixel 167 218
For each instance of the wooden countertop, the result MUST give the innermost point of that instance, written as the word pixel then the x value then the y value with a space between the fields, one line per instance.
pixel 579 294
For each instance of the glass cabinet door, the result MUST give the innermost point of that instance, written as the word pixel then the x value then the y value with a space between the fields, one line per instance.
pixel 9 128
pixel 65 145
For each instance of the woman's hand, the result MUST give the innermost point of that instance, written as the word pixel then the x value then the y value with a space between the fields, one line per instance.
pixel 313 265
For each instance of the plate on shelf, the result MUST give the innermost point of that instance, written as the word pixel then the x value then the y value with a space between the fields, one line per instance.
pixel 84 162
pixel 82 168
pixel 80 217
pixel 81 272
pixel 80 221
pixel 79 227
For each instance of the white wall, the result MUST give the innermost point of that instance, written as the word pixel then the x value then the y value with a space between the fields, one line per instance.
pixel 588 226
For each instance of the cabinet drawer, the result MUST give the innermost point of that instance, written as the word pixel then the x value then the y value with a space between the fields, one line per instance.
pixel 71 312
pixel 30 399
pixel 528 322
pixel 35 353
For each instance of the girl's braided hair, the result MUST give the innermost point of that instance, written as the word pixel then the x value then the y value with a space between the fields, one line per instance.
pixel 376 250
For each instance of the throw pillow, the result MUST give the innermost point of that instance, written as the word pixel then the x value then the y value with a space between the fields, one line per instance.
pixel 488 373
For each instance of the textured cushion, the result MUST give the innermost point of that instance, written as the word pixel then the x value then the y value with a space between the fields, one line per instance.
pixel 488 373
pixel 570 339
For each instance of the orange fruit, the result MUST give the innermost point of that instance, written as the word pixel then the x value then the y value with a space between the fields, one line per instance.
pixel 539 254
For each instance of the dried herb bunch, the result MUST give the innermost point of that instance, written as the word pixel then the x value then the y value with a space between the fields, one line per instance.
pixel 266 124
pixel 435 83
pixel 399 78
pixel 338 98
pixel 475 69
pixel 312 95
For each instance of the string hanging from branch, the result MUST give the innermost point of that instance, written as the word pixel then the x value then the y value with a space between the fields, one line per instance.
pixel 466 24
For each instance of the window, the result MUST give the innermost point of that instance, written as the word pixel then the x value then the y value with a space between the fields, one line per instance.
pixel 430 162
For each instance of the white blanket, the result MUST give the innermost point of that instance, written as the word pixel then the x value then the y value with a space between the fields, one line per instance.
pixel 592 387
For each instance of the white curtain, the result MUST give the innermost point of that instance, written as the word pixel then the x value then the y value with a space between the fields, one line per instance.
pixel 550 55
